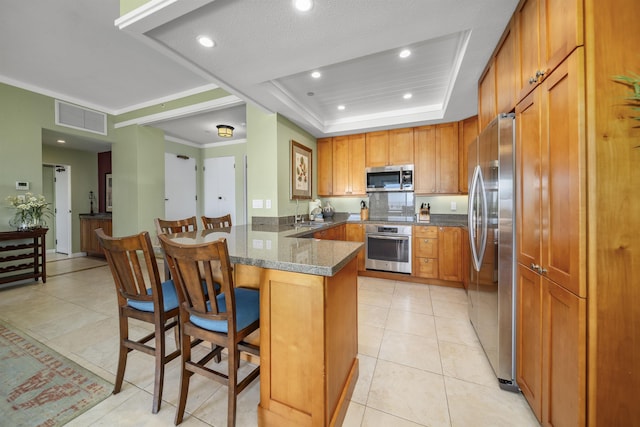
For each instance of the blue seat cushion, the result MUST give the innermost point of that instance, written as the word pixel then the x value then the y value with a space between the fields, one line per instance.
pixel 169 297
pixel 247 311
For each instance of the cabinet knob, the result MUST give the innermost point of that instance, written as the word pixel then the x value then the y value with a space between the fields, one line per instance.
pixel 535 267
pixel 426 240
pixel 532 80
pixel 539 74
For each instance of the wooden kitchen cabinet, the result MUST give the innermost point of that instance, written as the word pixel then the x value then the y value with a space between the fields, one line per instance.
pixel 393 147
pixel 333 233
pixel 425 251
pixel 468 132
pixel 356 233
pixel 487 95
pixel 88 240
pixel 551 245
pixel 564 351
pixel 529 337
pixel 325 166
pixel 547 31
pixel 436 159
pixel 505 65
pixel 349 165
pixel 450 253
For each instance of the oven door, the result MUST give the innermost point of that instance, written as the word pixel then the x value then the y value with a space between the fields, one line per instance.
pixel 387 252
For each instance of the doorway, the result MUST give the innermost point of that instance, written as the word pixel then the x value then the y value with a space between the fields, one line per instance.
pixel 220 188
pixel 62 208
pixel 179 186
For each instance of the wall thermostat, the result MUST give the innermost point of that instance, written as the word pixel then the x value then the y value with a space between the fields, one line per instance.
pixel 22 185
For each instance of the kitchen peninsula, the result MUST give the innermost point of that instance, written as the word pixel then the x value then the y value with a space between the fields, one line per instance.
pixel 308 319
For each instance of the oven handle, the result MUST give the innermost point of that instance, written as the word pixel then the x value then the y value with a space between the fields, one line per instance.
pixel 384 237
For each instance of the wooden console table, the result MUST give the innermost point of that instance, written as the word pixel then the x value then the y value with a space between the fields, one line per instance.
pixel 23 255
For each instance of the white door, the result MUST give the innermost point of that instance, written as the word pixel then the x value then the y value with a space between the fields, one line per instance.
pixel 179 187
pixel 63 209
pixel 220 187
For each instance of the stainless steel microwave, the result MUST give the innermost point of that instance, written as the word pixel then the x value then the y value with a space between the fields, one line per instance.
pixel 389 178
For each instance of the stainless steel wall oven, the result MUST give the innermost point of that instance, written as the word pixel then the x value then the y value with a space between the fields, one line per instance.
pixel 388 248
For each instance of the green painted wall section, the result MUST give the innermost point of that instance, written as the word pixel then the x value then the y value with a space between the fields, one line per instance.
pixel 137 164
pixel 262 153
pixel 173 104
pixel 288 131
pixel 127 6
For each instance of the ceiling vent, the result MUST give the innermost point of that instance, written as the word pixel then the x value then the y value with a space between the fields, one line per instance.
pixel 72 116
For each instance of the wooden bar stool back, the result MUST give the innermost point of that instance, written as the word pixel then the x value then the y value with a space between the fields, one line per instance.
pixel 209 222
pixel 224 320
pixel 141 296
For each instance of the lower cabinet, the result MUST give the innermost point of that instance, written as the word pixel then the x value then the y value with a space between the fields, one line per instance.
pixel 425 252
pixel 355 233
pixel 333 233
pixel 450 253
pixel 88 239
pixel 551 349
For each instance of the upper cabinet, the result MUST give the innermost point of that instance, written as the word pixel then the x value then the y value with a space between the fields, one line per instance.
pixel 325 166
pixel 389 147
pixel 487 95
pixel 348 165
pixel 468 132
pixel 547 31
pixel 436 159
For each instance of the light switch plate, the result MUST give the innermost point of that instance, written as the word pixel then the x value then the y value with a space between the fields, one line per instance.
pixel 257 204
pixel 22 185
pixel 454 206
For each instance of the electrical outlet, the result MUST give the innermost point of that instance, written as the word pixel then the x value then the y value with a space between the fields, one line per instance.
pixel 454 206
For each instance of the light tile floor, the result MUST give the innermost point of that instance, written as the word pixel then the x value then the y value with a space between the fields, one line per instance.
pixel 420 361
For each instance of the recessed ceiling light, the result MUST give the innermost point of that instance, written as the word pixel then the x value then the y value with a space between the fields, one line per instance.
pixel 407 96
pixel 61 141
pixel 303 5
pixel 206 41
pixel 316 74
pixel 404 53
pixel 341 107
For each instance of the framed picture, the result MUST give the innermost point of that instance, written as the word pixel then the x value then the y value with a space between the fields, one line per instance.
pixel 108 197
pixel 301 171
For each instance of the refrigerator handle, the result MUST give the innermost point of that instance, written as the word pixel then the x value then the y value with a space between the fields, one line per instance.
pixel 485 219
pixel 471 218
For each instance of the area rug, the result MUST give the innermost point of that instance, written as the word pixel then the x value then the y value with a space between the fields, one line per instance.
pixel 39 387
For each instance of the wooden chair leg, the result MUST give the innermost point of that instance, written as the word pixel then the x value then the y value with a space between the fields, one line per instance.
pixel 184 378
pixel 159 367
pixel 122 355
pixel 233 392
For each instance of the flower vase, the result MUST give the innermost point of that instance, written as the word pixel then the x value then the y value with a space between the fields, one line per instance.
pixel 19 223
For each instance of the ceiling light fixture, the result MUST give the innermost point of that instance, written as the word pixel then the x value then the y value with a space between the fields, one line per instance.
pixel 206 41
pixel 316 74
pixel 404 53
pixel 303 5
pixel 407 96
pixel 225 131
pixel 61 141
pixel 341 107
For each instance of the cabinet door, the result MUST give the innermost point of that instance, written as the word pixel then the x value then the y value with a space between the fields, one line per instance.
pixel 564 357
pixel 527 46
pixel 377 148
pixel 562 30
pixel 505 64
pixel 529 170
pixel 325 167
pixel 450 253
pixel 468 129
pixel 529 337
pixel 401 146
pixel 447 158
pixel 355 233
pixel 487 96
pixel 341 172
pixel 357 164
pixel 424 177
pixel 563 186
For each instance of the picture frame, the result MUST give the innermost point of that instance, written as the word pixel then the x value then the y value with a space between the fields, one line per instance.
pixel 108 195
pixel 301 171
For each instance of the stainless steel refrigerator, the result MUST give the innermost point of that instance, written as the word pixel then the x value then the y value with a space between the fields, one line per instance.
pixel 492 238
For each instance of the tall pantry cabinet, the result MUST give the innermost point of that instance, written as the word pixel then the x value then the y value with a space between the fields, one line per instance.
pixel 578 210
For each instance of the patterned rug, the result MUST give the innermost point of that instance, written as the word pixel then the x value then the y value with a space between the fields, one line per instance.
pixel 39 387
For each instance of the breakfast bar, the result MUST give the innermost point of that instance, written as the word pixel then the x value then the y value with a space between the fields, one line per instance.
pixel 308 319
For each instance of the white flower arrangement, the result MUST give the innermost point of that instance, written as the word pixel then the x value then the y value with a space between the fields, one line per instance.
pixel 30 209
